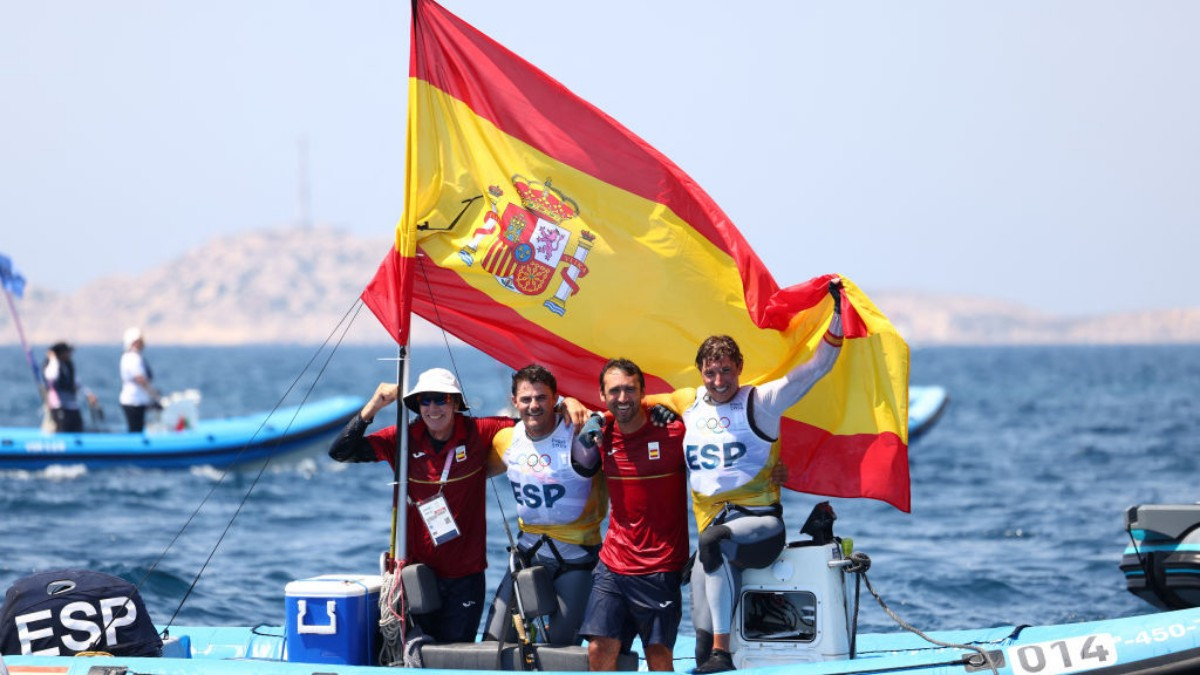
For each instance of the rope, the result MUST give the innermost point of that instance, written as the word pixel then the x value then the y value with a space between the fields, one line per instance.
pixel 391 622
pixel 860 565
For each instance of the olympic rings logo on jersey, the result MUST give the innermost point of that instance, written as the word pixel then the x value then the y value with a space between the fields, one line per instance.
pixel 712 425
pixel 532 461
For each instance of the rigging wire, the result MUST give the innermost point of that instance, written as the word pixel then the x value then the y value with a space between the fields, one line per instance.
pixel 344 324
pixel 265 464
pixel 1136 551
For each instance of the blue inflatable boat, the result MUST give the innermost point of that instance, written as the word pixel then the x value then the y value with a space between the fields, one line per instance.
pixel 925 407
pixel 794 616
pixel 216 442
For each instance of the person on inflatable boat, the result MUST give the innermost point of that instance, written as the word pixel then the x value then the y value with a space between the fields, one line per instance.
pixel 636 584
pixel 560 505
pixel 448 457
pixel 734 474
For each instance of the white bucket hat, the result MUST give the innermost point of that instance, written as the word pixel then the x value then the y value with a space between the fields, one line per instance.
pixel 437 381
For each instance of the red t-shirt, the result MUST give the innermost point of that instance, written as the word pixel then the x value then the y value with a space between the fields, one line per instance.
pixel 465 490
pixel 647 487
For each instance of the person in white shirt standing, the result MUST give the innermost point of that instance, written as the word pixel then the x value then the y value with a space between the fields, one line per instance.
pixel 137 391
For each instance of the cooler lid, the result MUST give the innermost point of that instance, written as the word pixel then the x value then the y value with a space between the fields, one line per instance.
pixel 334 586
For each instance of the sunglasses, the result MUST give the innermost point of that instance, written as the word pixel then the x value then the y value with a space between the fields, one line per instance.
pixel 434 399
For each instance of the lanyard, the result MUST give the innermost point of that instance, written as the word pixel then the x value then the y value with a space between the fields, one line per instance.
pixel 446 469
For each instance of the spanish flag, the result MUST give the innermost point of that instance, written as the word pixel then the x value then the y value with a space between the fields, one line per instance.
pixel 540 230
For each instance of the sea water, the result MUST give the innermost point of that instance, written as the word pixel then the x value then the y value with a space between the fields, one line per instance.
pixel 1017 493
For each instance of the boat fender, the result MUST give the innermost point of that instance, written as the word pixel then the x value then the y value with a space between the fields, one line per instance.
pixel 709 550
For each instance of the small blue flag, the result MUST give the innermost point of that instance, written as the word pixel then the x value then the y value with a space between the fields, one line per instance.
pixel 10 278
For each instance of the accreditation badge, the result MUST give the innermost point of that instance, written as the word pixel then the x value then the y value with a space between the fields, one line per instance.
pixel 438 520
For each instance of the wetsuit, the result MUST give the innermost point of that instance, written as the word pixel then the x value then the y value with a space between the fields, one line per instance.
pixel 731 450
pixel 560 506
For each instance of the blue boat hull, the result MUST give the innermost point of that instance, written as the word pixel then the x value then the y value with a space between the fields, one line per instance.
pixel 925 407
pixel 219 442
pixel 1167 642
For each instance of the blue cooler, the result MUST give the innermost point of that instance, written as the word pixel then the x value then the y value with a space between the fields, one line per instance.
pixel 333 618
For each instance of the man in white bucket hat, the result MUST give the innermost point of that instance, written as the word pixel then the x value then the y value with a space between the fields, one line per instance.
pixel 434 381
pixel 448 455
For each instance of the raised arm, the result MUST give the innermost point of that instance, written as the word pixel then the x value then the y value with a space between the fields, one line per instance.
pixel 385 394
pixel 351 445
pixel 772 398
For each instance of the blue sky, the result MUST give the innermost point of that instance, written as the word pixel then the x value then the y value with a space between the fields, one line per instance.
pixel 1039 152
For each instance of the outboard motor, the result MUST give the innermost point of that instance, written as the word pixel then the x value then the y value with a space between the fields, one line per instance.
pixel 64 612
pixel 799 608
pixel 1162 562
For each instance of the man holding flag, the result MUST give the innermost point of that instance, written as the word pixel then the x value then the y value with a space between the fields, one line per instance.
pixel 731 448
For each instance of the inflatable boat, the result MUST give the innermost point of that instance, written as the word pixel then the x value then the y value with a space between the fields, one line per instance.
pixel 925 407
pixel 798 615
pixel 1162 562
pixel 182 443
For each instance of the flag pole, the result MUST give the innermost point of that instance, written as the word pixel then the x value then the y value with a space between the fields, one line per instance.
pixel 37 376
pixel 400 467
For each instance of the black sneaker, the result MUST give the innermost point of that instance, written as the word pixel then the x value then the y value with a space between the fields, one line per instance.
pixel 719 662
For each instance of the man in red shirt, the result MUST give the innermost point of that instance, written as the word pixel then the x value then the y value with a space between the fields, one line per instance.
pixel 635 586
pixel 447 455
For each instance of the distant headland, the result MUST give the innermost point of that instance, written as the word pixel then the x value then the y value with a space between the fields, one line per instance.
pixel 295 285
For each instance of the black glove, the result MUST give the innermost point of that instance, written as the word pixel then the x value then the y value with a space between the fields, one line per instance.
pixel 661 415
pixel 835 291
pixel 589 435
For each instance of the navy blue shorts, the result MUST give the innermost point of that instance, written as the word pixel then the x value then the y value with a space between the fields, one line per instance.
pixel 625 606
